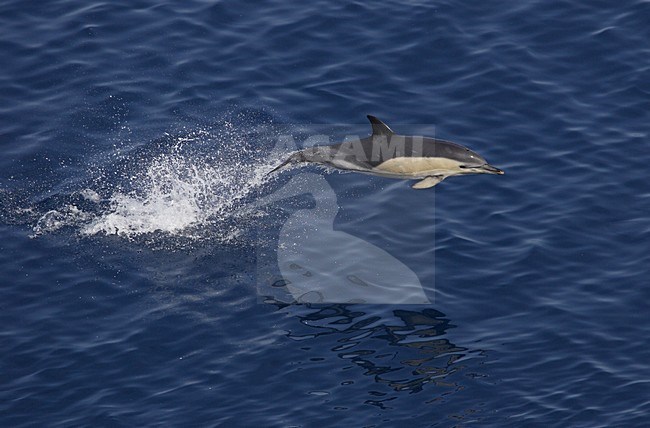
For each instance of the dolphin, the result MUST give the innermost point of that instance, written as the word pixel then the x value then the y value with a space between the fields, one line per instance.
pixel 388 154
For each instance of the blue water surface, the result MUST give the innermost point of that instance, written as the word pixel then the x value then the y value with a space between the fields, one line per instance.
pixel 134 134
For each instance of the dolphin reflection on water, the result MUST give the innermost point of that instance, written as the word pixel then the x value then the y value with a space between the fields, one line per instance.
pixel 323 265
pixel 417 351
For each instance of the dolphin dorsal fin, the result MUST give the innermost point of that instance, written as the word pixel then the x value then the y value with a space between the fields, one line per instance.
pixel 379 127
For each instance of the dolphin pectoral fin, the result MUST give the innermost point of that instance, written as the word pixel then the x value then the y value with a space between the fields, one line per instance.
pixel 428 182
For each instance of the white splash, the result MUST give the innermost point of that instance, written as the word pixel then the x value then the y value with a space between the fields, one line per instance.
pixel 90 195
pixel 178 193
pixel 54 220
pixel 170 201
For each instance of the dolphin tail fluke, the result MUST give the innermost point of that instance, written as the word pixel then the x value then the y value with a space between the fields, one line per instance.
pixel 294 158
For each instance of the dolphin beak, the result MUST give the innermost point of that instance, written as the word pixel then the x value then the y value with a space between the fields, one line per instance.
pixel 492 170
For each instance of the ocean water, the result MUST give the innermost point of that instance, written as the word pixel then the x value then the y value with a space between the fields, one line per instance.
pixel 141 241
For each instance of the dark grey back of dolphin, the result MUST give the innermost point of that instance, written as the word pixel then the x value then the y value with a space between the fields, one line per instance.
pixel 384 144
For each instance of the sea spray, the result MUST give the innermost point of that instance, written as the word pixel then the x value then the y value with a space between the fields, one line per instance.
pixel 188 186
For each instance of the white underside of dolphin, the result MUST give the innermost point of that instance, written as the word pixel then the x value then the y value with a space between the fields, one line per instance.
pixel 388 154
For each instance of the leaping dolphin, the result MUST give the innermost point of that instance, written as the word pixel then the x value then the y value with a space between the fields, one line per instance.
pixel 387 154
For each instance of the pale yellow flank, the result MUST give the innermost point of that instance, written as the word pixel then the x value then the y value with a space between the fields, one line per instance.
pixel 420 166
